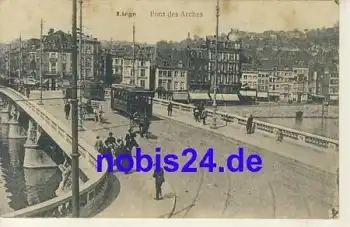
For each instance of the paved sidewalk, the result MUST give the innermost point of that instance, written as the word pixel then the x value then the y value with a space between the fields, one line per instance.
pixel 326 161
pixel 137 190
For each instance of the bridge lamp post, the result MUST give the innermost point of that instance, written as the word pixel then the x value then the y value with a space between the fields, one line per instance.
pixel 214 126
pixel 75 153
pixel 41 63
pixel 80 123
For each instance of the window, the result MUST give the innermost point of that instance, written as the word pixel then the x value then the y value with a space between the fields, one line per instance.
pixel 176 85
pixel 169 73
pixel 142 83
pixel 169 84
pixel 182 86
pixel 53 55
pixel 176 73
pixel 88 62
pixel 159 82
pixel 143 72
pixel 142 63
pixel 64 66
pixel 182 74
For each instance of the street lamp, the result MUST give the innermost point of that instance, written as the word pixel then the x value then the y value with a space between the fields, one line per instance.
pixel 75 153
pixel 214 126
pixel 80 123
pixel 41 63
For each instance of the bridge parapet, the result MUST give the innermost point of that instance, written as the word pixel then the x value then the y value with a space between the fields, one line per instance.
pixel 297 136
pixel 91 192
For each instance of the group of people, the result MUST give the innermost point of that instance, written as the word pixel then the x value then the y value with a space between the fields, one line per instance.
pixel 98 111
pixel 142 125
pixel 117 146
pixel 124 146
pixel 199 113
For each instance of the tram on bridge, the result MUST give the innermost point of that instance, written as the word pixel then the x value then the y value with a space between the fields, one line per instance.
pixel 93 90
pixel 128 99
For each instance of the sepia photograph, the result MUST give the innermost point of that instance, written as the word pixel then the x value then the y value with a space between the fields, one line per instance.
pixel 171 109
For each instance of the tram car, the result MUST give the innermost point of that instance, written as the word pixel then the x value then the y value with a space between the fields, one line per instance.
pixel 128 99
pixel 93 90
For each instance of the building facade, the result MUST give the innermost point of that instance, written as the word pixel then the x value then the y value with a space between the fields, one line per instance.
pixel 141 77
pixel 172 78
pixel 229 63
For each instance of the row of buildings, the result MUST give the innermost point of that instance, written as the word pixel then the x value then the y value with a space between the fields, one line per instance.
pixel 285 75
pixel 22 58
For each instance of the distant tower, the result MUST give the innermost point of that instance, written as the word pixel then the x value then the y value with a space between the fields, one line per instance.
pixel 189 35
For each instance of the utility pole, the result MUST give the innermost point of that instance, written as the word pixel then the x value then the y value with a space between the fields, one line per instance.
pixel 9 72
pixel 20 58
pixel 80 123
pixel 214 126
pixel 75 152
pixel 133 76
pixel 41 63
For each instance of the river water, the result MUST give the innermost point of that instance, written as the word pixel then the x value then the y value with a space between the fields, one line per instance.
pixel 20 187
pixel 326 127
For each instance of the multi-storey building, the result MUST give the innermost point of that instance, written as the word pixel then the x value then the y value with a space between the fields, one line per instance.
pixel 281 84
pixel 263 81
pixel 198 61
pixel 334 83
pixel 301 77
pixel 56 58
pixel 142 69
pixel 172 75
pixel 91 54
pixel 228 77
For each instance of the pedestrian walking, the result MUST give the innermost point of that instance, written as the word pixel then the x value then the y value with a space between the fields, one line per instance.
pixel 170 109
pixel 144 127
pixel 249 124
pixel 28 92
pixel 98 145
pixel 158 175
pixel 204 116
pixel 67 109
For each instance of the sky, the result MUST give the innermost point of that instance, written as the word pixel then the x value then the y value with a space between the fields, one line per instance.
pixel 100 18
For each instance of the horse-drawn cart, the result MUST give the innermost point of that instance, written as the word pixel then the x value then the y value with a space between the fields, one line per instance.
pixel 88 109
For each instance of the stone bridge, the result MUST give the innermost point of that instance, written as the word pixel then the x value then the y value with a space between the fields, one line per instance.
pixel 99 192
pixel 298 178
pixel 14 107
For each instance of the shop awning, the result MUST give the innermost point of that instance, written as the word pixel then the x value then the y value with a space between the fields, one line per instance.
pixel 199 96
pixel 334 97
pixel 274 94
pixel 248 93
pixel 180 96
pixel 317 96
pixel 263 94
pixel 230 97
pixel 218 97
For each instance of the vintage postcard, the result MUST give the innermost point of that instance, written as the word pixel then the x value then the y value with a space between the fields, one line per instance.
pixel 169 109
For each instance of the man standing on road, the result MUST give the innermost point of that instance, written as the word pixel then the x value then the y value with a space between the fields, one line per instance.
pixel 159 180
pixel 67 109
pixel 249 124
pixel 170 109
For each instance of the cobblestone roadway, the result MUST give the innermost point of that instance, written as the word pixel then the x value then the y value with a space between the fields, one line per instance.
pixel 284 189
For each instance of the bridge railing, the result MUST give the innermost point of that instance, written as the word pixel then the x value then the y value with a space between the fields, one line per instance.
pixel 272 129
pixel 91 193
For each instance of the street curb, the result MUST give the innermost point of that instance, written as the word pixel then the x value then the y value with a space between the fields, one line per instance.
pixel 241 142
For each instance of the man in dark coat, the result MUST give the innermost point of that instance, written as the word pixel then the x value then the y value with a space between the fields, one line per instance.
pixel 159 180
pixel 144 127
pixel 170 109
pixel 67 109
pixel 249 124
